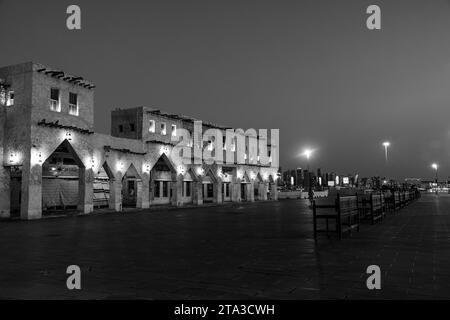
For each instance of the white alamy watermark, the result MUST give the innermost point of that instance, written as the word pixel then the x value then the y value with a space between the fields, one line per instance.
pixel 374 280
pixel 236 146
pixel 74 280
pixel 73 21
pixel 373 22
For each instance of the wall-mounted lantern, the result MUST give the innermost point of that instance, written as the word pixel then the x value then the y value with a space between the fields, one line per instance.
pixel 200 171
pixel 13 158
pixel 163 149
pixel 181 170
pixel 36 156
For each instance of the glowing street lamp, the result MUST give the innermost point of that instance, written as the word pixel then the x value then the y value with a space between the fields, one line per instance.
pixel 435 166
pixel 307 153
pixel 386 144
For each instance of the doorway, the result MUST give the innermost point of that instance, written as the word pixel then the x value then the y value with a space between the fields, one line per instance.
pixel 61 180
pixel 130 187
pixel 101 188
pixel 243 192
pixel 226 191
pixel 15 191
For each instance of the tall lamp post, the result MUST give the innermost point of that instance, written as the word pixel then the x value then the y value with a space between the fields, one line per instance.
pixel 307 153
pixel 386 144
pixel 435 167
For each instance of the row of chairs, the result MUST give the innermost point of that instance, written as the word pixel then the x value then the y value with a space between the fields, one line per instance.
pixel 347 211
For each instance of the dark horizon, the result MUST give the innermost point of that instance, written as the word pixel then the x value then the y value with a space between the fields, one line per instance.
pixel 309 68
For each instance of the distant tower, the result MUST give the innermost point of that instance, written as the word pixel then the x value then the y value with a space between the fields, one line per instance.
pixel 299 176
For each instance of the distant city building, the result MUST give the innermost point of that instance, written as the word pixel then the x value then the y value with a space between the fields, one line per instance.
pixel 300 177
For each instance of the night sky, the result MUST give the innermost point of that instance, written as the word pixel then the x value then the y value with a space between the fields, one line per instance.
pixel 310 68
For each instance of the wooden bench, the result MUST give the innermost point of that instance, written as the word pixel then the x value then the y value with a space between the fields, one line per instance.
pixel 404 199
pixel 363 205
pixel 383 203
pixel 397 200
pixel 377 210
pixel 411 195
pixel 344 212
pixel 389 201
pixel 371 206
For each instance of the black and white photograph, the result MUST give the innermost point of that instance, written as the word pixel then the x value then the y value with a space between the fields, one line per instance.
pixel 222 157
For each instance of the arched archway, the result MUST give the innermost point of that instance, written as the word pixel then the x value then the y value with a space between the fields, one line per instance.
pixel 163 182
pixel 227 183
pixel 245 185
pixel 258 183
pixel 103 184
pixel 272 192
pixel 210 184
pixel 63 179
pixel 131 187
pixel 188 181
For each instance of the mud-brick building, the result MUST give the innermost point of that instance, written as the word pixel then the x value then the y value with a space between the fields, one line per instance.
pixel 52 159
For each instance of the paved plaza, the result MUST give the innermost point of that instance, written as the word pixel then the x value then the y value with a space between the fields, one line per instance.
pixel 241 251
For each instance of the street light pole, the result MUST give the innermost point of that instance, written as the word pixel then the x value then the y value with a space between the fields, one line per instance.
pixel 386 144
pixel 435 167
pixel 307 153
pixel 307 162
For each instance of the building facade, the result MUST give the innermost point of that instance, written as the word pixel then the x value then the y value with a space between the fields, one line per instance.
pixel 53 160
